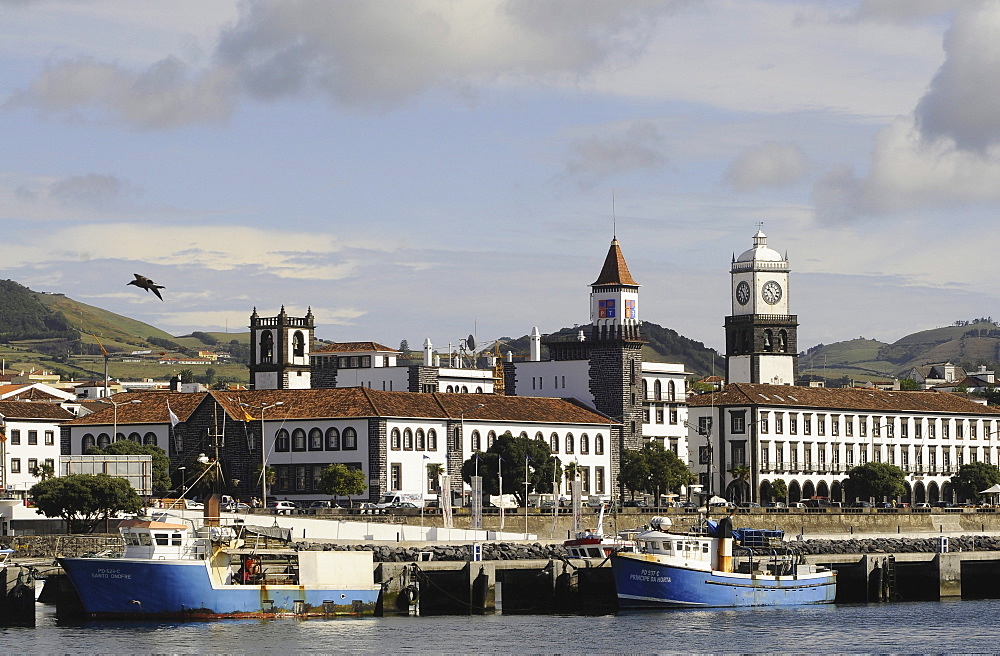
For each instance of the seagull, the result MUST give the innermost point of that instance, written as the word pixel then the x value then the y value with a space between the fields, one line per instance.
pixel 145 283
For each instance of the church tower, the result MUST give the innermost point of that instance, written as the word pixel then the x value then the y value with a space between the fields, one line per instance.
pixel 615 348
pixel 761 340
pixel 279 350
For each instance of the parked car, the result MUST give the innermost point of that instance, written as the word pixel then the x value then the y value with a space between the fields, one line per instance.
pixel 748 504
pixel 282 507
pixel 775 504
pixel 636 503
pixel 323 504
pixel 796 504
pixel 918 506
pixel 236 506
pixel 861 504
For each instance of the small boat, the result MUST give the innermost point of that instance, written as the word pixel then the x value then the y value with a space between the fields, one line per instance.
pixel 592 544
pixel 172 569
pixel 716 566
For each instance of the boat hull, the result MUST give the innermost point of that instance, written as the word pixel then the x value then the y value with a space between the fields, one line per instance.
pixel 642 582
pixel 139 588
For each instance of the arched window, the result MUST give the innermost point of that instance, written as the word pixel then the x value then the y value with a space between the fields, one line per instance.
pixel 432 440
pixel 332 439
pixel 421 444
pixel 479 389
pixel 395 440
pixel 134 437
pixel 657 390
pixel 554 443
pixel 645 388
pixel 149 438
pixel 281 442
pixel 477 441
pixel 782 341
pixel 266 347
pixel 671 391
pixel 315 439
pixel 88 441
pixel 103 440
pixel 119 437
pixel 570 443
pixel 298 345
pixel 523 435
pixel 465 389
pixel 407 440
pixel 584 443
pixel 490 439
pixel 745 340
pixel 768 341
pixel 350 439
pixel 298 440
pixel 449 389
pixel 599 444
pixel 458 439
pixel 539 436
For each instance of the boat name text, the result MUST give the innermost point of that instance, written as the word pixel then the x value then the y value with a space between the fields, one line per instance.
pixel 107 573
pixel 649 576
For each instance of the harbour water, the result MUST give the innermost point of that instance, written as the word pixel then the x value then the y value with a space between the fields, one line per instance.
pixel 918 627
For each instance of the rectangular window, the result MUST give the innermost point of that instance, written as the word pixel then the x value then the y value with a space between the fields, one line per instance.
pixel 835 458
pixel 821 424
pixel 959 429
pixel 779 449
pixel 673 414
pixel 15 465
pixel 15 436
pixel 863 426
pixel 765 422
pixel 974 454
pixel 599 480
pixel 849 451
pixel 50 463
pixel 300 478
pixel 945 429
pixel 793 423
pixel 863 457
pixel 764 459
pixel 793 456
pixel 585 479
pixel 50 438
pixel 904 457
pixel 703 455
pixel 779 422
pixel 848 426
pixel 396 476
pixel 704 425
pixel 932 459
pixel 877 427
pixel 986 455
pixel 32 464
pixel 738 422
pixel 972 430
pixel 834 425
pixel 432 481
pixel 918 429
pixel 739 454
pixel 646 413
pixel 904 427
pixel 821 455
pixel 931 429
pixel 890 427
pixel 892 455
pixel 659 415
pixel 284 478
pixel 807 424
pixel 807 455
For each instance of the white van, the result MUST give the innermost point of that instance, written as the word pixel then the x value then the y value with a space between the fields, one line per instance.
pixel 397 499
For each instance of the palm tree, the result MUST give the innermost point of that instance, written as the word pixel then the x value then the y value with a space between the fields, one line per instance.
pixel 43 471
pixel 435 470
pixel 741 479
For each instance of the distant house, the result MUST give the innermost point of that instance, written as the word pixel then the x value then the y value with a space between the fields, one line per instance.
pixel 929 375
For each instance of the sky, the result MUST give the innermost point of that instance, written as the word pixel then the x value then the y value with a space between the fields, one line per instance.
pixel 438 169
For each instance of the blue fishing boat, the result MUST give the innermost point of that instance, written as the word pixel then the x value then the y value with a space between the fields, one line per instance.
pixel 716 566
pixel 173 569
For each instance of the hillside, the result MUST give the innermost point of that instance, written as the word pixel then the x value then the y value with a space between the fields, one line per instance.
pixel 664 345
pixel 967 343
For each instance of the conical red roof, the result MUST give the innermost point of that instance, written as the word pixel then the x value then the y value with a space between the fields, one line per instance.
pixel 615 271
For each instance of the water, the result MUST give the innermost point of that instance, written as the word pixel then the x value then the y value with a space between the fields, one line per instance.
pixel 918 627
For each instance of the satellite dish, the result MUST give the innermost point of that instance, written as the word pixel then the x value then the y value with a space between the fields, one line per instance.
pixel 471 343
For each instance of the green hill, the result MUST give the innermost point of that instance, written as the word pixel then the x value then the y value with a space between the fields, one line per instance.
pixel 966 343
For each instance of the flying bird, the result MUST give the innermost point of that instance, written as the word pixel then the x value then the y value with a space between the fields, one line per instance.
pixel 145 283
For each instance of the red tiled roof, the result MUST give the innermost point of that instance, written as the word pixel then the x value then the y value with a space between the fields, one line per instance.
pixel 615 271
pixel 354 347
pixel 34 410
pixel 345 402
pixel 842 398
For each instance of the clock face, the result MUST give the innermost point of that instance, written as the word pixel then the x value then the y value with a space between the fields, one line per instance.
pixel 743 293
pixel 771 292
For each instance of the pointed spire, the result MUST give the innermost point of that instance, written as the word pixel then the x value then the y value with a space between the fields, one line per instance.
pixel 615 270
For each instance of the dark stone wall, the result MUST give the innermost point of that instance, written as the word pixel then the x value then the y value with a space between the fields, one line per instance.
pixel 323 372
pixel 421 376
pixel 454 455
pixel 616 383
pixel 509 379
pixel 378 449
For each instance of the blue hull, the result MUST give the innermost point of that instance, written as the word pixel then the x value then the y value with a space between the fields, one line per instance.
pixel 642 583
pixel 162 588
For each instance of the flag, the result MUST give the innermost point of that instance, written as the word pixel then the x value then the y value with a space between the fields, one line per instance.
pixel 246 415
pixel 426 457
pixel 173 418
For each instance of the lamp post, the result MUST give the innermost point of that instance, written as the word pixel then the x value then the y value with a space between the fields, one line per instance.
pixel 114 432
pixel 263 449
pixel 183 471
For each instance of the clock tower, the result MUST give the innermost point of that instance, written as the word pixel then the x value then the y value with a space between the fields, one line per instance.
pixel 761 339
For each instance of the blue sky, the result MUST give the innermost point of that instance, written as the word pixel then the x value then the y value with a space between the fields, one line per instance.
pixel 433 169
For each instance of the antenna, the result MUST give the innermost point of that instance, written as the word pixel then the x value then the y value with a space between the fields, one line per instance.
pixel 614 219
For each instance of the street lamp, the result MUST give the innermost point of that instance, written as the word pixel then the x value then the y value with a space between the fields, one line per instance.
pixel 263 450
pixel 183 471
pixel 114 432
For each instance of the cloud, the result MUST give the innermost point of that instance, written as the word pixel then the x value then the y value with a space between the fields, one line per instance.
pixel 596 158
pixel 893 10
pixel 909 172
pixel 92 190
pixel 962 103
pixel 770 164
pixel 166 95
pixel 374 54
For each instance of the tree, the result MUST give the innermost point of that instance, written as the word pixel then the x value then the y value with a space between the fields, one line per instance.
pixel 187 376
pixel 653 469
pixel 779 489
pixel 337 481
pixel 209 376
pixel 435 471
pixel 633 473
pixel 270 477
pixel 908 384
pixel 161 463
pixel 404 347
pixel 83 500
pixel 742 476
pixel 43 471
pixel 507 455
pixel 876 480
pixel 973 478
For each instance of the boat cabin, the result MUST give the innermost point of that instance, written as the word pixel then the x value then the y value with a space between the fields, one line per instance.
pixel 151 539
pixel 694 551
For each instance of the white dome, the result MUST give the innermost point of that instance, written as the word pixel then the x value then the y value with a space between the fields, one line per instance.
pixel 760 252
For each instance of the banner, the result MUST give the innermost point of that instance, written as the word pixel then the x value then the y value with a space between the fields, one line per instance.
pixel 477 502
pixel 576 488
pixel 444 500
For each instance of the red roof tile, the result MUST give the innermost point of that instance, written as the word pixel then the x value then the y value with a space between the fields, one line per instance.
pixel 615 271
pixel 354 347
pixel 34 410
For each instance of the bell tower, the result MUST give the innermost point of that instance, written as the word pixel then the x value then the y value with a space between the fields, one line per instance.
pixel 761 337
pixel 279 350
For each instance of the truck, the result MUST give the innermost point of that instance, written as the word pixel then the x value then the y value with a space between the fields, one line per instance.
pixel 397 499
